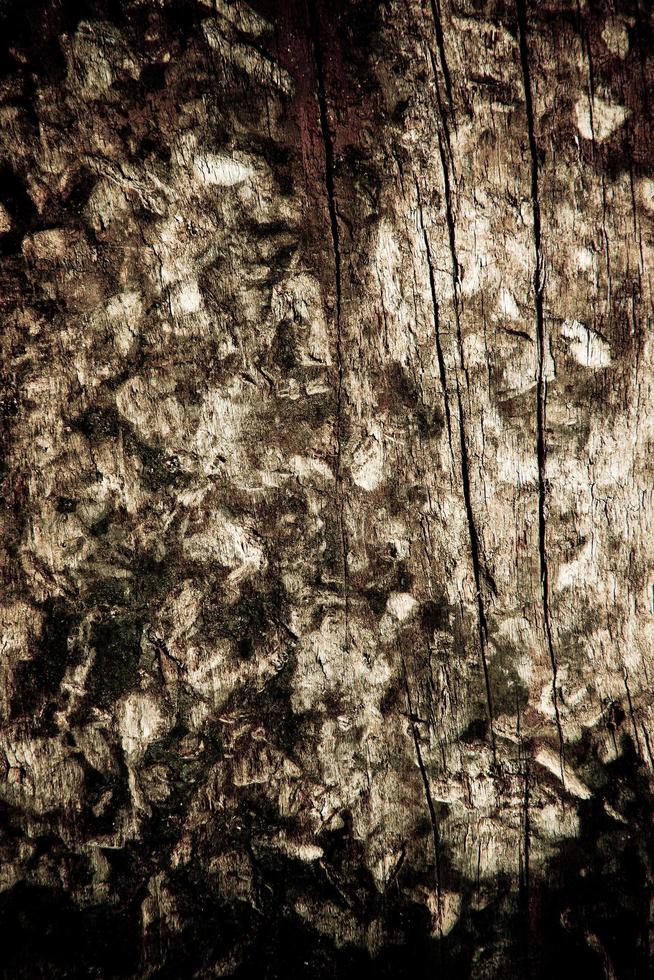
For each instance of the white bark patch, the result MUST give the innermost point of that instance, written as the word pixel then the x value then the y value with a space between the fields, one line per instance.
pixel 587 347
pixel 555 820
pixel 217 169
pixel 5 220
pixel 616 37
pixel 645 190
pixel 388 258
pixel 299 297
pixel 186 299
pixel 127 304
pixel 400 605
pixel 508 305
pixel 41 775
pixel 219 428
pixel 124 312
pixel 549 366
pixel 46 246
pixel 551 761
pixel 605 119
pixel 241 16
pixel 324 664
pixel 584 258
pixel 140 722
pixel 298 850
pixel 474 350
pixel 311 469
pixel 259 67
pixel 90 59
pixel 107 202
pixel 368 464
pixel 227 543
pixel 579 569
pixel 444 913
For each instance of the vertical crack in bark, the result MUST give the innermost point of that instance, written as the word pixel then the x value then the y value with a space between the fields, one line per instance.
pixel 436 315
pixel 632 715
pixel 440 43
pixel 330 190
pixel 475 548
pixel 541 384
pixel 523 759
pixel 585 43
pixel 428 797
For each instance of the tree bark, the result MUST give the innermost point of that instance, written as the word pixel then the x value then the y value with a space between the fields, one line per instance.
pixel 328 539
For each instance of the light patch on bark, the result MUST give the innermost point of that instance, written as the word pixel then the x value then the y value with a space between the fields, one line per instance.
pixel 581 568
pixel 299 298
pixel 508 305
pixel 585 259
pixel 187 298
pixel 107 203
pixel 555 820
pixel 616 36
pixel 552 762
pixel 241 16
pixel 298 850
pixel 218 434
pixel 140 721
pixel 227 543
pixel 445 912
pixel 368 463
pixel 41 775
pixel 311 469
pixel 323 664
pixel 400 605
pixel 5 220
pixel 399 608
pixel 587 348
pixel 124 311
pixel 606 118
pixel 258 66
pixel 50 245
pixel 220 170
pixel 89 59
pixel 645 189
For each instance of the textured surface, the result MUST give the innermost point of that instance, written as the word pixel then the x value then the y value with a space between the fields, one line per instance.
pixel 328 538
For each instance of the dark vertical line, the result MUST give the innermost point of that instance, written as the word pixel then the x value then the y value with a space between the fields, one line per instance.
pixel 328 144
pixel 585 43
pixel 525 870
pixel 436 316
pixel 428 797
pixel 631 710
pixel 475 548
pixel 541 387
pixel 440 42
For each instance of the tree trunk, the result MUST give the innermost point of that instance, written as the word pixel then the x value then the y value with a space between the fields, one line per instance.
pixel 328 538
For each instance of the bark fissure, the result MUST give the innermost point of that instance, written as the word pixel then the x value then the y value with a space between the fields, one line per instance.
pixel 442 370
pixel 538 285
pixel 440 42
pixel 270 344
pixel 330 192
pixel 475 548
pixel 433 819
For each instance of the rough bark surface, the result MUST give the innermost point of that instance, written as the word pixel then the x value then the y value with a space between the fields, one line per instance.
pixel 327 520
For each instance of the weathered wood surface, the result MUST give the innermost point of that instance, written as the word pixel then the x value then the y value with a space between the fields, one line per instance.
pixel 328 538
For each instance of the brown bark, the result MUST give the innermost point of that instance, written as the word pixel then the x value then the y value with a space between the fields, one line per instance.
pixel 327 515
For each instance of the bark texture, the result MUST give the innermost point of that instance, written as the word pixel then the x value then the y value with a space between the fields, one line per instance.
pixel 327 519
